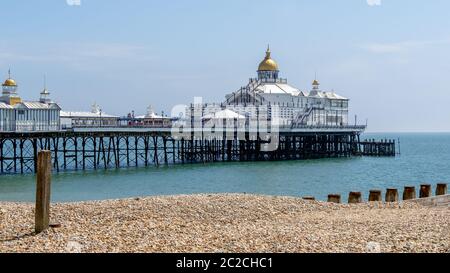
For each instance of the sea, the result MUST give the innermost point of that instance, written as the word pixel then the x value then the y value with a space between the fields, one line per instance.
pixel 423 158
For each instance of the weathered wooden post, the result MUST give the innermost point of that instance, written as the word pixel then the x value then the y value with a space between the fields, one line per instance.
pixel 334 198
pixel 309 198
pixel 354 197
pixel 391 195
pixel 375 196
pixel 409 193
pixel 43 181
pixel 425 191
pixel 441 189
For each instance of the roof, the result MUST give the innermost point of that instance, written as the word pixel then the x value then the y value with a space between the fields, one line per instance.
pixel 332 95
pixel 328 95
pixel 67 114
pixel 277 88
pixel 152 115
pixel 10 82
pixel 5 106
pixel 37 105
pixel 30 105
pixel 224 114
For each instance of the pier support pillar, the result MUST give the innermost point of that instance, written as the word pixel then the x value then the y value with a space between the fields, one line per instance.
pixel 354 197
pixel 375 196
pixel 425 191
pixel 334 198
pixel 391 195
pixel 441 189
pixel 409 193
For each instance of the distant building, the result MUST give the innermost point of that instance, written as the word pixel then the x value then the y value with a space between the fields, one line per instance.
pixel 150 119
pixel 94 118
pixel 17 115
pixel 288 104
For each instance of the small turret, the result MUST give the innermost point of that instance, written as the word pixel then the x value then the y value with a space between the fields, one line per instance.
pixel 45 94
pixel 9 91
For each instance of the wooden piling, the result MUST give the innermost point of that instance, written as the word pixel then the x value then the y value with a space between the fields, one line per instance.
pixel 425 191
pixel 375 196
pixel 334 198
pixel 354 197
pixel 441 189
pixel 409 193
pixel 43 183
pixel 391 195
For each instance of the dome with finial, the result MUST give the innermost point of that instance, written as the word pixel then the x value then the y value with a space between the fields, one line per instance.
pixel 9 81
pixel 268 64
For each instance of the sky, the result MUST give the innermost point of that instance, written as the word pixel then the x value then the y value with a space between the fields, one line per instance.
pixel 390 57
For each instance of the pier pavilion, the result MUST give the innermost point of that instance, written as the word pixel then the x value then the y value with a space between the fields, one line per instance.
pixel 17 115
pixel 96 118
pixel 289 105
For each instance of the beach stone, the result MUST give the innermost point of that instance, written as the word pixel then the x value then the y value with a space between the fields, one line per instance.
pixel 54 225
pixel 74 247
pixel 373 247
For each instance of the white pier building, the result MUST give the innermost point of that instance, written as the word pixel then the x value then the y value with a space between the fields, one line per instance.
pixel 17 115
pixel 294 107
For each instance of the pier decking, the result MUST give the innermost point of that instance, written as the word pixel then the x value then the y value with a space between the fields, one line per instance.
pixel 105 148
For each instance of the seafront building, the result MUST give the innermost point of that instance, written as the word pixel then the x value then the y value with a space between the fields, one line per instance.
pixel 17 115
pixel 288 105
pixel 95 118
pixel 150 119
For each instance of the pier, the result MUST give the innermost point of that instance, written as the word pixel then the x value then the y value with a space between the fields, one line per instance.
pixel 108 148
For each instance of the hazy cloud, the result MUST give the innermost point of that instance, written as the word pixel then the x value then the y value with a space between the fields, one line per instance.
pixel 401 46
pixel 374 3
pixel 74 52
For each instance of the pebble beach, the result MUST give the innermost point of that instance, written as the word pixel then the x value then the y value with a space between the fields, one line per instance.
pixel 226 223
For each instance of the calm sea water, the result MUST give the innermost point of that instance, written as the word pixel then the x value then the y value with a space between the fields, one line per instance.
pixel 424 158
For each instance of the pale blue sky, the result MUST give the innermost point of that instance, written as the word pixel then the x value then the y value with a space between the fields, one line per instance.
pixel 391 60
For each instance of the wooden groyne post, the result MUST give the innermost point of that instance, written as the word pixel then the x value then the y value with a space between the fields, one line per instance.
pixel 409 193
pixel 354 197
pixel 391 195
pixel 334 198
pixel 375 196
pixel 425 191
pixel 441 189
pixel 43 183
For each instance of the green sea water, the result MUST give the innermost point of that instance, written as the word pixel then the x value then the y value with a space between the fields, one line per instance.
pixel 425 157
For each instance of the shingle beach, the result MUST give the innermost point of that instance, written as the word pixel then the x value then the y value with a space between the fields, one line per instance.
pixel 226 223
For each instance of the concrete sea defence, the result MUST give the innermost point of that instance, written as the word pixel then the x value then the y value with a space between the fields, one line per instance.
pixel 227 223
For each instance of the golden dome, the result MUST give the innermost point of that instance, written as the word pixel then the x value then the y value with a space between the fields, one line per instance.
pixel 315 82
pixel 10 82
pixel 268 64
